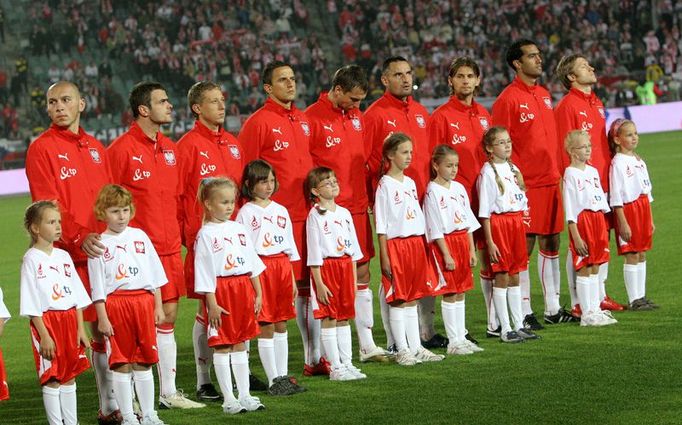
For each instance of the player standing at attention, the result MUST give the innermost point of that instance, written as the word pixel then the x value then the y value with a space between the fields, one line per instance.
pixel 269 227
pixel 585 205
pixel 69 166
pixel 450 224
pixel 336 142
pixel 204 151
pixel 408 272
pixel 279 133
pixel 630 198
pixel 125 289
pixel 53 297
pixel 501 204
pixel 525 109
pixel 581 109
pixel 226 273
pixel 4 317
pixel 144 161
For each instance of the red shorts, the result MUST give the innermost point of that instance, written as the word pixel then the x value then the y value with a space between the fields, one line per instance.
pixel 363 229
pixel 508 234
pixel 89 312
pixel 277 288
pixel 131 314
pixel 545 214
pixel 69 360
pixel 337 275
pixel 413 270
pixel 299 267
pixel 236 295
pixel 461 279
pixel 4 389
pixel 638 216
pixel 175 288
pixel 595 233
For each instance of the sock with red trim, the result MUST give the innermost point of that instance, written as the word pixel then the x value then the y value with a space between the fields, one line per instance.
pixel 168 352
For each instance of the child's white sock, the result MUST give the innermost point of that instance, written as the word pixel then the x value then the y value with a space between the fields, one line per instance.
pixel 203 356
pixel 631 278
pixel 397 320
pixel 331 346
pixel 124 393
pixel 460 321
pixel 595 301
pixel 571 278
pixel 641 279
pixel 104 379
pixel 386 317
pixel 364 319
pixel 281 340
pixel 144 387
pixel 603 275
pixel 52 405
pixel 414 341
pixel 168 352
pixel 548 281
pixel 345 344
pixel 266 351
pixel 500 301
pixel 582 286
pixel 514 301
pixel 524 284
pixel 69 404
pixel 487 289
pixel 240 368
pixel 449 321
pixel 221 363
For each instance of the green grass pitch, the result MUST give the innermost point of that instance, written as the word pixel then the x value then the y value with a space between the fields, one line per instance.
pixel 621 374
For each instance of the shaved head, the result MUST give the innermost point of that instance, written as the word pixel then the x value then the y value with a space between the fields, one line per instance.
pixel 64 84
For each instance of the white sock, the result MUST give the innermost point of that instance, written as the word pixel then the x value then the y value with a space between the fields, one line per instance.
pixel 386 317
pixel 310 330
pixel 168 353
pixel 331 346
pixel 281 346
pixel 414 341
pixel 69 404
pixel 426 308
pixel 103 378
pixel 603 275
pixel 500 301
pixel 582 286
pixel 631 278
pixel 487 289
pixel 570 277
pixel 548 282
pixel 397 320
pixel 524 284
pixel 266 351
pixel 203 355
pixel 52 405
pixel 345 344
pixel 240 368
pixel 556 272
pixel 595 301
pixel 460 320
pixel 221 363
pixel 514 301
pixel 144 388
pixel 124 393
pixel 364 319
pixel 641 279
pixel 449 321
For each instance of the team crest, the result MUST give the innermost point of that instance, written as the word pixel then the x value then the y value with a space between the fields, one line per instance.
pixel 356 124
pixel 421 122
pixel 67 270
pixel 94 154
pixel 107 255
pixel 216 246
pixel 484 123
pixel 396 198
pixel 281 221
pixel 326 228
pixel 254 223
pixel 242 239
pixel 40 274
pixel 139 247
pixel 169 156
pixel 234 151
pixel 305 128
pixel 442 203
pixel 601 112
pixel 548 102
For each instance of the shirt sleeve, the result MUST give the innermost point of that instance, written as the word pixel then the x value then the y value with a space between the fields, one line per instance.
pixel 380 209
pixel 97 276
pixel 29 294
pixel 434 227
pixel 616 179
pixel 204 268
pixel 294 254
pixel 314 240
pixel 487 192
pixel 4 313
pixel 570 195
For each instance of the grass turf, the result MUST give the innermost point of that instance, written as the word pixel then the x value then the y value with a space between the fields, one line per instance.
pixel 627 373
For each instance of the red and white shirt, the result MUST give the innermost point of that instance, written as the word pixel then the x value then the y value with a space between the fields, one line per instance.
pixel 149 170
pixel 491 200
pixel 447 210
pixel 50 282
pixel 269 228
pixel 129 262
pixel 71 169
pixel 331 235
pixel 281 137
pixel 223 249
pixel 396 208
pixel 337 142
pixel 583 191
pixel 629 179
pixel 527 113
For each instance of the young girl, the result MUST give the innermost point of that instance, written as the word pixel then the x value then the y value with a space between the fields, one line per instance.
pixel 630 198
pixel 226 268
pixel 585 205
pixel 333 251
pixel 407 268
pixel 501 204
pixel 4 316
pixel 450 224
pixel 125 283
pixel 269 227
pixel 53 297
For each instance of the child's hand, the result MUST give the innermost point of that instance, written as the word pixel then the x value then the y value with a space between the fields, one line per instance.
pixel 159 315
pixel 323 294
pixel 449 262
pixel 104 326
pixel 494 252
pixel 47 347
pixel 215 315
pixel 83 339
pixel 295 291
pixel 257 304
pixel 473 259
pixel 580 247
pixel 386 269
pixel 625 232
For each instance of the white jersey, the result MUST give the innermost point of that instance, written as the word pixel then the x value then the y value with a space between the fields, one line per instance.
pixel 491 200
pixel 583 191
pixel 4 313
pixel 129 263
pixel 269 228
pixel 331 234
pixel 223 249
pixel 629 179
pixel 50 282
pixel 447 210
pixel 396 208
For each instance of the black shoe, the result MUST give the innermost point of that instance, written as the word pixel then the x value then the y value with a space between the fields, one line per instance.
pixel 531 322
pixel 207 392
pixel 436 341
pixel 562 316
pixel 493 334
pixel 281 386
pixel 640 304
pixel 256 384
pixel 651 303
pixel 471 338
pixel 294 385
pixel 526 333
